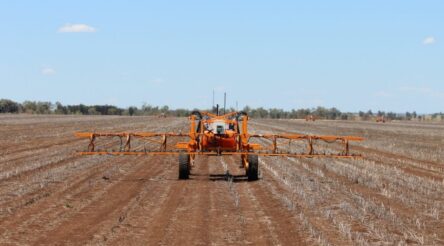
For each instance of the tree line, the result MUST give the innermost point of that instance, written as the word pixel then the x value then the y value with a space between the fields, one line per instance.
pixel 42 107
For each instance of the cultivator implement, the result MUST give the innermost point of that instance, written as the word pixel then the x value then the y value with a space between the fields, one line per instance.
pixel 218 135
pixel 267 149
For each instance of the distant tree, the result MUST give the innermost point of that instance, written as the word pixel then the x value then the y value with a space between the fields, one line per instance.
pixel 83 109
pixel 263 113
pixel 301 113
pixel 29 107
pixel 247 109
pixel 39 107
pixel 60 109
pixel 181 112
pixel 320 112
pixel 380 113
pixel 113 111
pixel 164 109
pixel 274 113
pixel 44 107
pixel 333 114
pixel 92 111
pixel 132 110
pixel 9 106
pixel 391 116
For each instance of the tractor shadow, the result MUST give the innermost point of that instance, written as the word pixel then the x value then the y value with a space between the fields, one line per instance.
pixel 227 177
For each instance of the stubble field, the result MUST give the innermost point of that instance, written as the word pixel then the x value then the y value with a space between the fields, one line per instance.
pixel 49 195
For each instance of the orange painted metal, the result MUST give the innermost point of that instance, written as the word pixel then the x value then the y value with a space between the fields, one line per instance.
pixel 380 119
pixel 220 154
pixel 211 134
pixel 310 118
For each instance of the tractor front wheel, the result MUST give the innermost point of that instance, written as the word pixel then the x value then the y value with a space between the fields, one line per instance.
pixel 253 167
pixel 184 166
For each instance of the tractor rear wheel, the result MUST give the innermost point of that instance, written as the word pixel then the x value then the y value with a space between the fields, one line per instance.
pixel 184 166
pixel 253 167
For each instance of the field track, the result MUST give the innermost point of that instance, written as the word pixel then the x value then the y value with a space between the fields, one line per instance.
pixel 49 195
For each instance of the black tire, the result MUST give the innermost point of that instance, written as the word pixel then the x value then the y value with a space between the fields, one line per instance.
pixel 253 167
pixel 184 166
pixel 197 113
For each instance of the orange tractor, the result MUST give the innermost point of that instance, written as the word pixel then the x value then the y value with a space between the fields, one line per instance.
pixel 310 118
pixel 380 119
pixel 217 135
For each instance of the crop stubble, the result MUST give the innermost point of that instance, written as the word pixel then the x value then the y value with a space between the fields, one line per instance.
pixel 48 195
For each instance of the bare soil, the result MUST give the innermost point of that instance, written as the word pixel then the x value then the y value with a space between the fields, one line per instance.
pixel 50 196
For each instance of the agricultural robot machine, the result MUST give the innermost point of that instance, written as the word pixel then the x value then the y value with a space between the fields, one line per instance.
pixel 218 135
pixel 310 118
pixel 380 119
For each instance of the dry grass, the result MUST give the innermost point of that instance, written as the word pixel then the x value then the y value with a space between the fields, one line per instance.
pixel 394 196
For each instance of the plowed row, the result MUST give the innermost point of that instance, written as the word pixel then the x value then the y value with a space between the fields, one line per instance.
pixel 48 195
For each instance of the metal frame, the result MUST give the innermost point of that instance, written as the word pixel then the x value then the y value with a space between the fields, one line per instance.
pixel 193 146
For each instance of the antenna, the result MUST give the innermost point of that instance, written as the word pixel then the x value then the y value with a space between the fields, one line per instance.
pixel 225 102
pixel 213 99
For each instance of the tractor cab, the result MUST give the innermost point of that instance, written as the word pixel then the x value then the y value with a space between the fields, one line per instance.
pixel 220 127
pixel 218 135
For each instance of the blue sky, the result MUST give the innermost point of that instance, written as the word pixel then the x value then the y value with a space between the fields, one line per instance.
pixel 353 55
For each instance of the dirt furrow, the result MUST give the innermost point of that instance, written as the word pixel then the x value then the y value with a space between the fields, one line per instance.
pixel 46 211
pixel 265 219
pixel 48 196
pixel 82 226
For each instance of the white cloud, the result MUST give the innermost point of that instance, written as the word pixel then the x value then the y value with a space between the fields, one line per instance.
pixel 48 71
pixel 77 28
pixel 429 40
